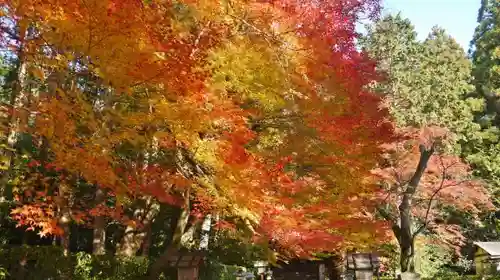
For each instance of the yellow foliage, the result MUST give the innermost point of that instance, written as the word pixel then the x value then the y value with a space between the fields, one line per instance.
pixel 38 73
pixel 251 70
pixel 189 78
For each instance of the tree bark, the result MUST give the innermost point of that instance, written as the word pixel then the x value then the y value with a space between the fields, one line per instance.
pixel 187 239
pixel 16 103
pixel 131 242
pixel 134 238
pixel 99 240
pixel 404 233
pixel 205 232
pixel 146 245
pixel 156 268
pixel 64 216
pixel 54 81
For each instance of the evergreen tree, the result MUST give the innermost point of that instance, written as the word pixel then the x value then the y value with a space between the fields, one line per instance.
pixel 427 82
pixel 485 51
pixel 485 54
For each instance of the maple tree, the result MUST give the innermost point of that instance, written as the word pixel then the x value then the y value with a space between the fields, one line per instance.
pixel 252 109
pixel 428 83
pixel 419 181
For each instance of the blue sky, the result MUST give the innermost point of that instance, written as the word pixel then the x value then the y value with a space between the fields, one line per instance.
pixel 457 17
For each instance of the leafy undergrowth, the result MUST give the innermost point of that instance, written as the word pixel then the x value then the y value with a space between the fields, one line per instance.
pixel 49 262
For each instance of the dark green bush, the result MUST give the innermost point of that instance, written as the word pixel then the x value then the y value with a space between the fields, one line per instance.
pixel 216 271
pixel 49 262
pixel 451 276
pixel 461 277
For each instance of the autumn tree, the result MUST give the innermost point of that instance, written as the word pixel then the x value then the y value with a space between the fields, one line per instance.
pixel 256 112
pixel 426 84
pixel 420 181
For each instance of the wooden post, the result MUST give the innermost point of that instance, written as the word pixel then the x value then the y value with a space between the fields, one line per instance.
pixel 187 273
pixel 187 264
pixel 363 265
pixel 321 271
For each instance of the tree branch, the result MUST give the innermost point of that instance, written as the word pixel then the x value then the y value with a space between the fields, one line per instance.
pixel 436 192
pixel 425 155
pixel 429 205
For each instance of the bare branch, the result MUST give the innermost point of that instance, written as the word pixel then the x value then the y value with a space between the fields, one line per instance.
pixel 197 41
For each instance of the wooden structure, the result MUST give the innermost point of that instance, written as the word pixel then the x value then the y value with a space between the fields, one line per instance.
pixel 487 258
pixel 244 275
pixel 363 266
pixel 306 270
pixel 187 264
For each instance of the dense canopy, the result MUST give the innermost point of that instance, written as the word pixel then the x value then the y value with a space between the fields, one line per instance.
pixel 248 128
pixel 252 109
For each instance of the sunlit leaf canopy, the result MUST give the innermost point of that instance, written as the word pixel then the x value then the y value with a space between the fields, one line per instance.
pixel 257 107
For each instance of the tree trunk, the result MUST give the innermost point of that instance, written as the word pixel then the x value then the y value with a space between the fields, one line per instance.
pixel 63 198
pixel 406 259
pixel 134 238
pixel 16 104
pixel 146 245
pixel 156 268
pixel 99 240
pixel 404 234
pixel 131 242
pixel 187 239
pixel 64 216
pixel 65 238
pixel 205 232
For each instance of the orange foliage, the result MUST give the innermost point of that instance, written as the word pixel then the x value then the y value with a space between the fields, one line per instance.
pixel 141 52
pixel 447 181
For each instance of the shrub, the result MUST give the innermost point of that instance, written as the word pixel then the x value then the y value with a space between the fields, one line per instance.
pixel 49 262
pixel 214 270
